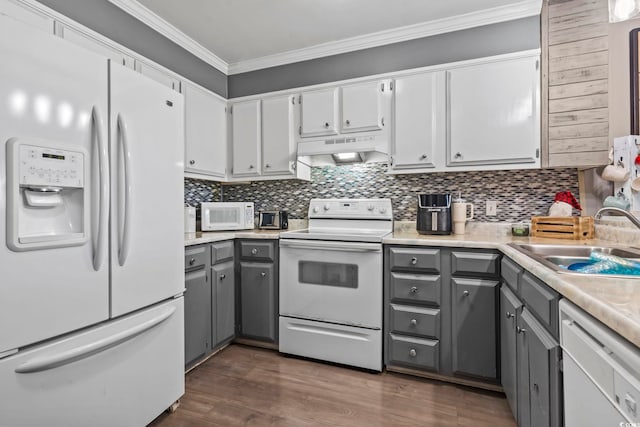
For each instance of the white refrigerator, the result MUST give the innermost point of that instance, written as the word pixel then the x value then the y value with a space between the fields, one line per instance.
pixel 91 243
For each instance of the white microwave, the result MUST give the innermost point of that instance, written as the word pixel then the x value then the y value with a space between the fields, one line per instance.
pixel 218 216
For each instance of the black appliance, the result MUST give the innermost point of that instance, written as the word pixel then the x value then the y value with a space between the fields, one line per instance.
pixel 273 220
pixel 434 214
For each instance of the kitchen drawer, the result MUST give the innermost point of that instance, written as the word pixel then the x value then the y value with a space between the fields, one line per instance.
pixel 415 352
pixel 416 288
pixel 221 252
pixel 195 257
pixel 257 250
pixel 541 300
pixel 485 264
pixel 424 322
pixel 413 259
pixel 511 273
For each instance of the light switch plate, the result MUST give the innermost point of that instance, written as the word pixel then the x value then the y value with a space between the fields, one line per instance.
pixel 492 208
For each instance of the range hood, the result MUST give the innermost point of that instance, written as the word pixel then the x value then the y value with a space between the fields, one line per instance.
pixel 344 149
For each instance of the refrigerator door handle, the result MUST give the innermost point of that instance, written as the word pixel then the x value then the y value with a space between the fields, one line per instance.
pixel 44 363
pixel 103 210
pixel 124 238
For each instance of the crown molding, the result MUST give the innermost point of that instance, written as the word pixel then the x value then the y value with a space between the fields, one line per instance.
pixel 521 9
pixel 149 18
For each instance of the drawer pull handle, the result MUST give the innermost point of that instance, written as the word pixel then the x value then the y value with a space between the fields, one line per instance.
pixel 192 261
pixel 413 352
pixel 254 251
pixel 263 274
pixel 414 261
pixel 509 315
pixel 521 330
pixel 465 293
pixel 630 402
pixel 414 290
pixel 223 276
pixel 536 388
pixel 414 322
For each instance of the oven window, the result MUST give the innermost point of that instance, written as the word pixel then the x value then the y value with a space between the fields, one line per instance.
pixel 328 274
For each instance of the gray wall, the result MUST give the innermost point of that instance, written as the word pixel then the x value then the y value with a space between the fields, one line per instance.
pixel 110 21
pixel 505 37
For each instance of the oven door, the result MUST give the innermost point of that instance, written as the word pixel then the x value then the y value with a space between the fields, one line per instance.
pixel 337 282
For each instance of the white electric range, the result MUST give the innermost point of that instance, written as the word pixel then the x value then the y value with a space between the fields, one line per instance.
pixel 331 282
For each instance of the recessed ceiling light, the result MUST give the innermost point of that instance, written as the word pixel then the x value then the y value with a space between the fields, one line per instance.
pixel 621 10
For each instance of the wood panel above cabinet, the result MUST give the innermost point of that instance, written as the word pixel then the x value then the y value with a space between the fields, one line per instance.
pixel 575 83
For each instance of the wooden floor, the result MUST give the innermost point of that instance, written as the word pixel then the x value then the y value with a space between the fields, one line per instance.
pixel 246 386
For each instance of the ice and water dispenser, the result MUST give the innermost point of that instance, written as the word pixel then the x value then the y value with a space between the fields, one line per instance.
pixel 47 197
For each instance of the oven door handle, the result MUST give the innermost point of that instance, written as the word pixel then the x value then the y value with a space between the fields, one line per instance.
pixel 331 245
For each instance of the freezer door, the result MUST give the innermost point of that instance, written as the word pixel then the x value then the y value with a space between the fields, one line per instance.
pixel 147 148
pixel 122 373
pixel 52 91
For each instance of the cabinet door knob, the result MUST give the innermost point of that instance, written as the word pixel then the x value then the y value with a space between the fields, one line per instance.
pixel 262 273
pixel 326 124
pixel 414 261
pixel 250 166
pixel 414 322
pixel 413 352
pixel 465 293
pixel 223 276
pixel 267 166
pixel 423 157
pixel 521 330
pixel 347 122
pixel 254 251
pixel 509 315
pixel 413 289
pixel 192 162
pixel 192 261
pixel 458 155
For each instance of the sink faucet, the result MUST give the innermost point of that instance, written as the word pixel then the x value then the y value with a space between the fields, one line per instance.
pixel 618 211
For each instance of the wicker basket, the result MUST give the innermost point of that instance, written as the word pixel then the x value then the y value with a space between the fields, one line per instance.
pixel 574 227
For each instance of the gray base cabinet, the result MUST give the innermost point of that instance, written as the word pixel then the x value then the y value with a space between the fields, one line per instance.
pixel 209 300
pixel 440 311
pixel 529 331
pixel 258 290
pixel 474 327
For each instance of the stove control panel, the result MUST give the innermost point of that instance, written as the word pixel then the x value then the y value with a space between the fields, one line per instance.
pixel 351 209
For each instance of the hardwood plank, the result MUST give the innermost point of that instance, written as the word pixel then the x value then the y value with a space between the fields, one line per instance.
pixel 579 47
pixel 562 7
pixel 596 115
pixel 595 87
pixel 578 33
pixel 244 386
pixel 578 19
pixel 579 131
pixel 584 74
pixel 589 159
pixel 578 61
pixel 577 145
pixel 578 103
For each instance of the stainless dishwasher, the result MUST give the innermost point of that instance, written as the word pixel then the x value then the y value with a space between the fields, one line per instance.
pixel 601 372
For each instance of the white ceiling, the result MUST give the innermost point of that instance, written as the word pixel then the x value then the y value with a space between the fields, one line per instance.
pixel 238 31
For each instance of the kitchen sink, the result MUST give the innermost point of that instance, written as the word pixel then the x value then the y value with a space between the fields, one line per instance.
pixel 559 257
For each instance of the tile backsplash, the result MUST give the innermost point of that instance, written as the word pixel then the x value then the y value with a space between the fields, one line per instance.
pixel 519 193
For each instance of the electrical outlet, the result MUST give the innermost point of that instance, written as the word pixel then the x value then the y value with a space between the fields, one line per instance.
pixel 492 208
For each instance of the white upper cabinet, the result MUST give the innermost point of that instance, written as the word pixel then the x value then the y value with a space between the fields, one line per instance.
pixel 157 74
pixel 319 113
pixel 27 15
pixel 419 120
pixel 494 113
pixel 205 132
pixel 278 142
pixel 94 45
pixel 246 131
pixel 362 107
